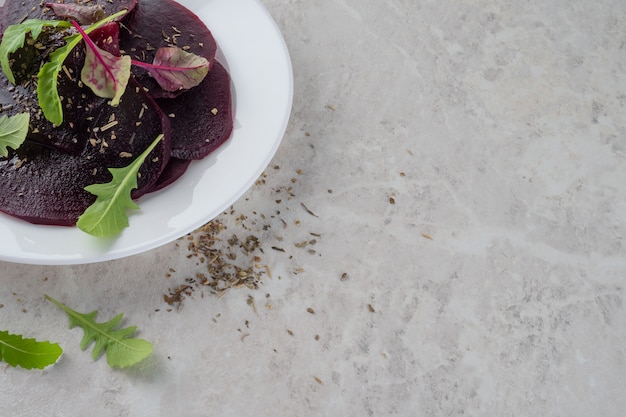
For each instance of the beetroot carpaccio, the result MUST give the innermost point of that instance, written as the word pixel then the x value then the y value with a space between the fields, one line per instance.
pixel 44 180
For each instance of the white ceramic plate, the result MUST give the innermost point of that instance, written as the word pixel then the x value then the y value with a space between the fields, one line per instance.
pixel 252 48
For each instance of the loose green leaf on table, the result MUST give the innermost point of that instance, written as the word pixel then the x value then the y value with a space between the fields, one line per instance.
pixel 121 349
pixel 27 353
pixel 15 35
pixel 175 69
pixel 108 216
pixel 13 131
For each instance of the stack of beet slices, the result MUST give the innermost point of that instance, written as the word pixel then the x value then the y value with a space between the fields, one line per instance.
pixel 43 181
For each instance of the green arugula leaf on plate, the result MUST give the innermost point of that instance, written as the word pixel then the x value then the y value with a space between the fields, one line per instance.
pixel 15 35
pixel 107 216
pixel 13 131
pixel 121 349
pixel 27 353
pixel 47 91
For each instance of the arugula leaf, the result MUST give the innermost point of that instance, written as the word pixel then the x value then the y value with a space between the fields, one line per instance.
pixel 107 216
pixel 13 131
pixel 175 69
pixel 83 13
pixel 121 349
pixel 47 91
pixel 15 35
pixel 106 74
pixel 27 353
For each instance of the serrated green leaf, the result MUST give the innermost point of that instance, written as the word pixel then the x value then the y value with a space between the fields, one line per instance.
pixel 108 216
pixel 123 355
pixel 15 35
pixel 121 349
pixel 13 131
pixel 27 353
pixel 47 91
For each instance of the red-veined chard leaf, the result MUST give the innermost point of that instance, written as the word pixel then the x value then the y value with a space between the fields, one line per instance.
pixel 107 216
pixel 175 69
pixel 27 353
pixel 84 14
pixel 106 74
pixel 15 35
pixel 47 91
pixel 13 131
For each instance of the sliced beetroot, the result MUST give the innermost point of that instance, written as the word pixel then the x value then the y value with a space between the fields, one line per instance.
pixel 202 115
pixel 79 102
pixel 45 186
pixel 3 20
pixel 135 124
pixel 202 118
pixel 41 184
pixel 15 11
pixel 174 170
pixel 107 37
pixel 162 23
pixel 70 137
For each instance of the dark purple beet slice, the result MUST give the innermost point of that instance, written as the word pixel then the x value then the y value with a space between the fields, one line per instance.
pixel 46 189
pixel 42 185
pixel 174 170
pixel 196 130
pixel 80 102
pixel 158 23
pixel 202 117
pixel 3 19
pixel 107 37
pixel 15 11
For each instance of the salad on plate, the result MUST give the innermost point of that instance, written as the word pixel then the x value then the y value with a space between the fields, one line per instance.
pixel 102 102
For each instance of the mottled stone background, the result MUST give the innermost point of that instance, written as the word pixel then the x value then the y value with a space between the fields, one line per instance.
pixel 443 226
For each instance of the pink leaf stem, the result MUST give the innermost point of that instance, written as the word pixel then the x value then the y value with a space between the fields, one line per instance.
pixel 95 50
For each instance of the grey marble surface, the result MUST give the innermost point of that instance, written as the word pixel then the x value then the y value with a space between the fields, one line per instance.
pixel 443 228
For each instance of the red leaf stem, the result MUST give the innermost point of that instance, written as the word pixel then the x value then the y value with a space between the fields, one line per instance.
pixel 95 50
pixel 162 67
